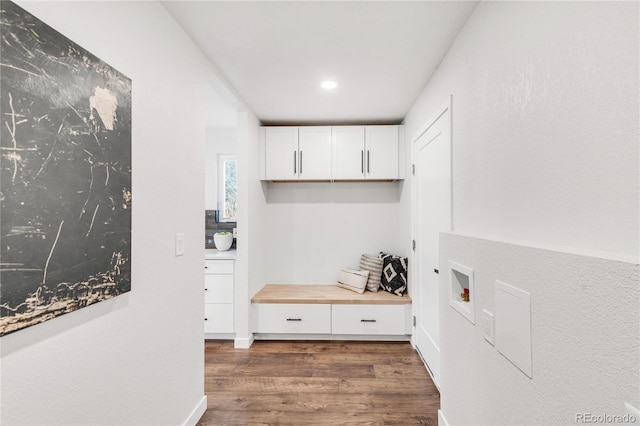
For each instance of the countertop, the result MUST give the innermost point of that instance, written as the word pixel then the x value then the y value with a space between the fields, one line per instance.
pixel 301 293
pixel 215 254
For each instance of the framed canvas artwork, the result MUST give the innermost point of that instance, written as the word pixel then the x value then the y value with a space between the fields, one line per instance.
pixel 65 178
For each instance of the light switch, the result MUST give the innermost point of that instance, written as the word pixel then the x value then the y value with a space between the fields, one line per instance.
pixel 488 326
pixel 179 245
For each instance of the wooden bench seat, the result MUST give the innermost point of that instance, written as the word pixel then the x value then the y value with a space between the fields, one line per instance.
pixel 315 293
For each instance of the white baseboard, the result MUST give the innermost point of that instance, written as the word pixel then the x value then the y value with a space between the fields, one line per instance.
pixel 243 342
pixel 367 337
pixel 197 412
pixel 442 421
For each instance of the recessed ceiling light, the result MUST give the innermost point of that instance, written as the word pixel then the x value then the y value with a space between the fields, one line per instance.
pixel 329 84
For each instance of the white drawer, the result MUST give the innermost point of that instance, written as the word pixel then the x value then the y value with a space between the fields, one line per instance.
pixel 292 318
pixel 218 318
pixel 368 319
pixel 218 288
pixel 218 266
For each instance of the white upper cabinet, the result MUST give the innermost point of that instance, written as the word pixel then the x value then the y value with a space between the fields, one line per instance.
pixel 365 152
pixel 281 151
pixel 348 152
pixel 298 153
pixel 314 153
pixel 325 153
pixel 381 143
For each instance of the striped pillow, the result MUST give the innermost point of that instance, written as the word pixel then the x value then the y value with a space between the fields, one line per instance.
pixel 371 263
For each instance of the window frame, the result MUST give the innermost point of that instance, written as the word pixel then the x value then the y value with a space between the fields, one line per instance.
pixel 222 158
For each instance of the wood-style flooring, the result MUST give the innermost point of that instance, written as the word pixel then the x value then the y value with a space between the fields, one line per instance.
pixel 319 383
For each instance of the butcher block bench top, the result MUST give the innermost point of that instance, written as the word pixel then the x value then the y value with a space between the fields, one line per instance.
pixel 305 293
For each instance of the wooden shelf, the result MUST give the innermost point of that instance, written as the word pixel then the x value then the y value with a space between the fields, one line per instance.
pixel 313 293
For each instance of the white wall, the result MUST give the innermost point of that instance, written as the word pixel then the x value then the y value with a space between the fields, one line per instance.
pixel 545 153
pixel 218 141
pixel 138 358
pixel 545 133
pixel 315 229
pixel 252 226
pixel 585 337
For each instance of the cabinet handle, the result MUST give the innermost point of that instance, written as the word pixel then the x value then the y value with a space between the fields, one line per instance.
pixel 361 161
pixel 295 158
pixel 206 319
pixel 368 163
pixel 367 320
pixel 301 162
pixel 206 289
pixel 294 319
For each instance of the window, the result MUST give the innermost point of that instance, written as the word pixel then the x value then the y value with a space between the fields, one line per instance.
pixel 227 184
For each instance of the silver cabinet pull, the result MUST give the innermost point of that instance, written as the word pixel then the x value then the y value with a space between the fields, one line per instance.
pixel 300 162
pixel 361 161
pixel 295 171
pixel 368 162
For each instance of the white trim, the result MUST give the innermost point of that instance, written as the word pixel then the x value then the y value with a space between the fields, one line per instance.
pixel 616 257
pixel 444 107
pixel 291 336
pixel 221 195
pixel 414 290
pixel 243 342
pixel 442 420
pixel 197 413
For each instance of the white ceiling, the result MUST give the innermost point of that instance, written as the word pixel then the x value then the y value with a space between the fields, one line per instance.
pixel 275 54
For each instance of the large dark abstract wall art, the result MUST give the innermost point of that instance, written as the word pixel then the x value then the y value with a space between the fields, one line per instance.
pixel 65 182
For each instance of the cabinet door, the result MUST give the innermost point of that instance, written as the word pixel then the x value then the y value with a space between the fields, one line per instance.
pixel 348 152
pixel 281 153
pixel 218 288
pixel 381 154
pixel 218 318
pixel 314 153
pixel 292 318
pixel 368 319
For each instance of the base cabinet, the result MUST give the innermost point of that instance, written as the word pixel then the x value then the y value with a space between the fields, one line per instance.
pixel 292 318
pixel 335 319
pixel 368 319
pixel 218 296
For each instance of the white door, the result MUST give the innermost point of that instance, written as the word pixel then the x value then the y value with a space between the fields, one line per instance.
pixel 348 152
pixel 281 152
pixel 432 215
pixel 381 152
pixel 314 153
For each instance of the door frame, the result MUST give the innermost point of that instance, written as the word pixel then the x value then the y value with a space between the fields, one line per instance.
pixel 445 106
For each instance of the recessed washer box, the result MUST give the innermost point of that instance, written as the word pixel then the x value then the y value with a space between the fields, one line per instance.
pixel 460 282
pixel 513 325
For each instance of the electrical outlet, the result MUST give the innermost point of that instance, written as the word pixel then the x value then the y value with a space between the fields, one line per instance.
pixel 488 326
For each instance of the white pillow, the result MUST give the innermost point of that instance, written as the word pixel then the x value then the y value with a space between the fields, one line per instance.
pixel 353 280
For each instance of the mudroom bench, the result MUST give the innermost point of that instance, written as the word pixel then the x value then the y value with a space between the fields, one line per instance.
pixel 328 312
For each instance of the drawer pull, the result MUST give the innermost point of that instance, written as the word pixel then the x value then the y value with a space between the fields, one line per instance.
pixel 367 320
pixel 294 319
pixel 206 319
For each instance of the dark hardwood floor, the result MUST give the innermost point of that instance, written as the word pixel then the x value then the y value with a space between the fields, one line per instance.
pixel 320 383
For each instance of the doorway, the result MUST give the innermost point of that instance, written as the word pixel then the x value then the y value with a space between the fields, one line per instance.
pixel 432 214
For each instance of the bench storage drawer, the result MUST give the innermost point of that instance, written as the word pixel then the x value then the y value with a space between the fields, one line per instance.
pixel 368 319
pixel 292 318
